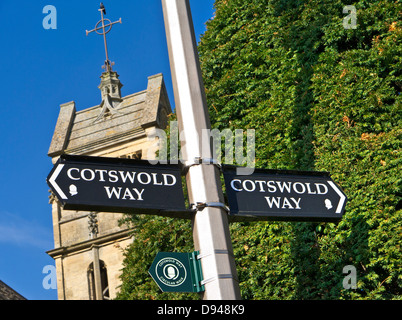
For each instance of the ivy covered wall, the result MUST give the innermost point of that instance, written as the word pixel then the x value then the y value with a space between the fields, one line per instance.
pixel 320 97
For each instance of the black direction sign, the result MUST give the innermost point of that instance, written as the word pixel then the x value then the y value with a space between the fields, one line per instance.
pixel 283 195
pixel 117 185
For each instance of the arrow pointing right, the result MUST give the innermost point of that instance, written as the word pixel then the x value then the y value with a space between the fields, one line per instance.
pixel 340 193
pixel 52 181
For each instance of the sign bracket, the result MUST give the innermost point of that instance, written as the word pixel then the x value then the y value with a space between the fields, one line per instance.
pixel 199 206
pixel 219 276
pixel 197 272
pixel 200 161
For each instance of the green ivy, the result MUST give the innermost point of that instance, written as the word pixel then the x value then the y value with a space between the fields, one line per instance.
pixel 320 97
pixel 152 235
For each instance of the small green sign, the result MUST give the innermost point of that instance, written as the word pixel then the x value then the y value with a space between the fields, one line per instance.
pixel 177 272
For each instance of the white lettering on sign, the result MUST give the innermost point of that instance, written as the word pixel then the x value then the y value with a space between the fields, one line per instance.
pixel 114 176
pixel 283 203
pixel 166 180
pixel 127 176
pixel 113 192
pixel 69 174
pixel 288 189
pixel 281 186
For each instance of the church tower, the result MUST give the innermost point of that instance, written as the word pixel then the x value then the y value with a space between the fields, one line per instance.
pixel 88 246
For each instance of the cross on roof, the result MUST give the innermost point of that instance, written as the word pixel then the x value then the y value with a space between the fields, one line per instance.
pixel 105 25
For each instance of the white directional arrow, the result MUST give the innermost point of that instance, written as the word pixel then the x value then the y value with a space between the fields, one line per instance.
pixel 52 181
pixel 340 193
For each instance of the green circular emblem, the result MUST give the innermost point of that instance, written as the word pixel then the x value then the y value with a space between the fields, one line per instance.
pixel 171 272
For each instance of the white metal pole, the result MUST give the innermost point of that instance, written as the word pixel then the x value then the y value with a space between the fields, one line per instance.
pixel 210 225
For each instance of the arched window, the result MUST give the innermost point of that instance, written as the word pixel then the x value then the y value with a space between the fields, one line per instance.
pixel 93 282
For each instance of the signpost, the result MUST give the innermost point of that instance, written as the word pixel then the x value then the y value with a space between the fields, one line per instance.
pixel 117 185
pixel 133 186
pixel 283 195
pixel 177 272
pixel 210 224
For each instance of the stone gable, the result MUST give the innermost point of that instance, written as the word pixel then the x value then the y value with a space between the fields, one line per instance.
pixel 6 293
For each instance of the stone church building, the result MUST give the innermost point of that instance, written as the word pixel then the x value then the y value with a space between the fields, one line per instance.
pixel 88 246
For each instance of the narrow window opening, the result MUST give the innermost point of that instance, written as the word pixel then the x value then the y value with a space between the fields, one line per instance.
pixel 103 282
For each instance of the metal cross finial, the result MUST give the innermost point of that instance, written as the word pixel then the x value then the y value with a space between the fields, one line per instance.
pixel 105 30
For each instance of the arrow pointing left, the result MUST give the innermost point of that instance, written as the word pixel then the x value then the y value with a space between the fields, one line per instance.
pixel 52 181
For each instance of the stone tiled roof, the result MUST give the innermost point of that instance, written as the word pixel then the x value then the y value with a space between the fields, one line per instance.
pixel 127 122
pixel 82 133
pixel 6 293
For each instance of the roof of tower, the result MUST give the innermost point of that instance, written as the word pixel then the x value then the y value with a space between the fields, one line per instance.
pixel 89 130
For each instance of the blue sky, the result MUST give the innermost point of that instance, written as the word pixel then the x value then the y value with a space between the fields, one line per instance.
pixel 41 69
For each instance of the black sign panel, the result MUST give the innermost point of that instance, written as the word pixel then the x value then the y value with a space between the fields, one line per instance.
pixel 116 185
pixel 283 195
